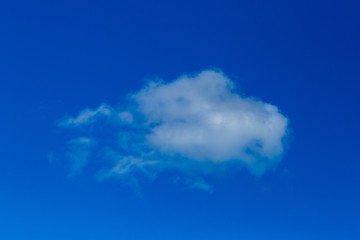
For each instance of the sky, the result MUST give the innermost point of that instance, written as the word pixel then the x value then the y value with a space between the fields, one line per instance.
pixel 179 120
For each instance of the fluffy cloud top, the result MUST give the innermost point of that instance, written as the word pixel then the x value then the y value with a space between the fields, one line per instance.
pixel 201 118
pixel 195 118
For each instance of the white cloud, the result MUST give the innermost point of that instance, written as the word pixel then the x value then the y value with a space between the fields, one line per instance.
pixel 201 118
pixel 202 185
pixel 87 116
pixel 194 119
pixel 83 141
pixel 126 117
pixel 127 164
pixel 79 151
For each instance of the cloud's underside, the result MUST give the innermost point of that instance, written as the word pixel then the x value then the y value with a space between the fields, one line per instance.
pixel 192 121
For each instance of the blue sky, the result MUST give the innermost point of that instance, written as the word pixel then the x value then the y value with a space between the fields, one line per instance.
pixel 103 102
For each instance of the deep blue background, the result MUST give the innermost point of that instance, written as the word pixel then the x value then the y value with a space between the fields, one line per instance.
pixel 58 57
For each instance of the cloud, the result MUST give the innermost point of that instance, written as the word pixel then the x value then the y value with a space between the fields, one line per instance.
pixel 128 164
pixel 126 117
pixel 79 151
pixel 86 116
pixel 202 185
pixel 192 121
pixel 201 118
